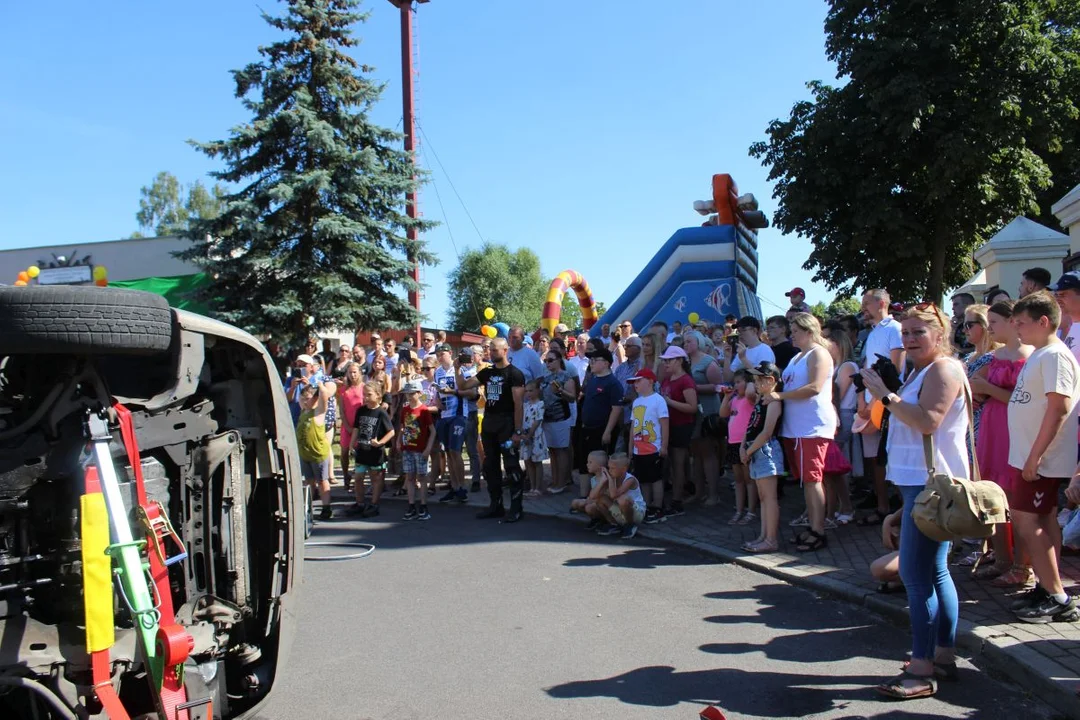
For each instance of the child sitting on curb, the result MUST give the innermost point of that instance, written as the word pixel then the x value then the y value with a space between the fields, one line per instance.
pixel 627 507
pixel 592 505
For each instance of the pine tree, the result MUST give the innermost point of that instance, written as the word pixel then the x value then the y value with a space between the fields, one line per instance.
pixel 316 225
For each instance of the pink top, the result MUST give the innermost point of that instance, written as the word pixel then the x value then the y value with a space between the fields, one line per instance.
pixel 992 441
pixel 740 419
pixel 351 399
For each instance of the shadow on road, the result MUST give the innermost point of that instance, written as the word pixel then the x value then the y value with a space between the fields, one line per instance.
pixel 759 694
pixel 645 559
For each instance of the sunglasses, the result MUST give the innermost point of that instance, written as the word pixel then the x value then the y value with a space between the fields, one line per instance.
pixel 968 324
pixel 931 306
pixel 551 360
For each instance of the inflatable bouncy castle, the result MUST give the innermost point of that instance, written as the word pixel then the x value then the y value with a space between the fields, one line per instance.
pixel 710 270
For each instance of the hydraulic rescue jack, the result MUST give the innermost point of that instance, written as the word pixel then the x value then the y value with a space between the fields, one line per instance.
pixel 140 568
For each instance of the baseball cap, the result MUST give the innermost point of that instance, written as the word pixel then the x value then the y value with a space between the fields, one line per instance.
pixel 645 374
pixel 766 368
pixel 413 386
pixel 673 351
pixel 562 328
pixel 795 291
pixel 443 348
pixel 601 353
pixel 306 359
pixel 633 340
pixel 1068 281
pixel 467 350
pixel 528 340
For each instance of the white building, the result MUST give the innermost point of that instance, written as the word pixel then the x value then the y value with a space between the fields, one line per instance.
pixel 1020 245
pixel 124 260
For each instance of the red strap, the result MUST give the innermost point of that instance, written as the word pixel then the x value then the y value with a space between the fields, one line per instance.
pixel 172 690
pixel 114 709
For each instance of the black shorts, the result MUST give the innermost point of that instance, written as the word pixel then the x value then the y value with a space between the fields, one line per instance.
pixel 589 440
pixel 680 435
pixel 733 458
pixel 647 468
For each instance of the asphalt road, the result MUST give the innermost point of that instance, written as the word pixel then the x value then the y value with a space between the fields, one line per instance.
pixel 457 618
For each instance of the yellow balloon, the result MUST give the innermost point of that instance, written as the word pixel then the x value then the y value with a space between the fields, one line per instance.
pixel 33 271
pixel 693 318
pixel 100 273
pixel 491 332
pixel 489 313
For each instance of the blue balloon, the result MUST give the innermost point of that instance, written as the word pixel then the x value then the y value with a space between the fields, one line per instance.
pixel 501 329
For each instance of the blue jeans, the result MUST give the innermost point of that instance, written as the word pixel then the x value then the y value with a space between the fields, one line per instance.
pixel 924 569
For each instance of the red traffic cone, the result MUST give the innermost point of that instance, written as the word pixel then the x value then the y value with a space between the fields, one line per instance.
pixel 712 713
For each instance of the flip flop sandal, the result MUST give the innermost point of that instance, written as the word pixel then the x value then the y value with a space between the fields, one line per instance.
pixel 801 538
pixel 762 549
pixel 942 671
pixel 801 521
pixel 896 689
pixel 747 518
pixel 873 518
pixel 816 542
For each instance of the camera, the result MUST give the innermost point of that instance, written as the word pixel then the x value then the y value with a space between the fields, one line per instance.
pixel 884 367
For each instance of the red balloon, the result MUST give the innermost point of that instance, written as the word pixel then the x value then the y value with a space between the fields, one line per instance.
pixel 102 282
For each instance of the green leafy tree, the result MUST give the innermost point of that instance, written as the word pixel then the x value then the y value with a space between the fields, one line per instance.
pixel 819 311
pixel 843 305
pixel 940 133
pixel 493 276
pixel 317 225
pixel 168 208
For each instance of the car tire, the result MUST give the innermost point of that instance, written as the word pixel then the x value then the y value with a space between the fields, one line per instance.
pixel 83 320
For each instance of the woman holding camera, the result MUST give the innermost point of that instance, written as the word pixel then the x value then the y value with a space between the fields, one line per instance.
pixel 931 402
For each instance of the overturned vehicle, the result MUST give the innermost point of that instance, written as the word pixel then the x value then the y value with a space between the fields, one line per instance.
pixel 151 511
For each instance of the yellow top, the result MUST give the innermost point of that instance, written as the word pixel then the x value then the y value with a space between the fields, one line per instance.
pixel 311 442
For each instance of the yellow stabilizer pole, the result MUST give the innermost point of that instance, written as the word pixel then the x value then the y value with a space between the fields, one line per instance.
pixel 97 573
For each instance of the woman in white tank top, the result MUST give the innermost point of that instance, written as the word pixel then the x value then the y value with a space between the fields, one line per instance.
pixel 809 422
pixel 931 402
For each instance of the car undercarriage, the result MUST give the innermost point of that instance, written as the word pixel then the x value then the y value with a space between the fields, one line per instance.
pixel 183 423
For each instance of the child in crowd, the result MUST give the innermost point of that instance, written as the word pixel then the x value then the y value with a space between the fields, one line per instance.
pixel 762 453
pixel 627 507
pixel 886 569
pixel 1042 452
pixel 533 445
pixel 372 431
pixel 649 433
pixel 594 504
pixel 415 444
pixel 312 440
pixel 737 407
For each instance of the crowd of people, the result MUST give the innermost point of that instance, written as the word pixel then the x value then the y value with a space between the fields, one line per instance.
pixel 642 424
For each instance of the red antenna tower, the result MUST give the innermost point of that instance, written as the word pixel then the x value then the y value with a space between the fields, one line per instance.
pixel 408 104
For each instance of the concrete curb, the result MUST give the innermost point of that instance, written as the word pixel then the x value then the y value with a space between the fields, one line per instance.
pixel 1049 681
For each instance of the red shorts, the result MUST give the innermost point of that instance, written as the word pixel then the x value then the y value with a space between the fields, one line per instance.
pixel 1038 497
pixel 806 457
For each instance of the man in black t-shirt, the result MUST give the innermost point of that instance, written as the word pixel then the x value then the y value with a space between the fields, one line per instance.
pixel 778 330
pixel 501 433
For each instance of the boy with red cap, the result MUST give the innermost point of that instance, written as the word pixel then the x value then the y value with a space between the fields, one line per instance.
pixel 649 435
pixel 798 300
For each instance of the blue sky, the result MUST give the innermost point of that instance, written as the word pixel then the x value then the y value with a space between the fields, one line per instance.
pixel 584 131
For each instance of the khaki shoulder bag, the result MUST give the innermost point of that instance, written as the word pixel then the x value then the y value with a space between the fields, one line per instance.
pixel 950 508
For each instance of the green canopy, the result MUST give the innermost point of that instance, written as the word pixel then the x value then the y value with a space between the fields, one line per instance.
pixel 178 290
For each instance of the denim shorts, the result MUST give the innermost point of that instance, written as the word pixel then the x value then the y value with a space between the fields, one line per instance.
pixel 413 463
pixel 450 432
pixel 315 470
pixel 767 461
